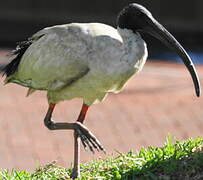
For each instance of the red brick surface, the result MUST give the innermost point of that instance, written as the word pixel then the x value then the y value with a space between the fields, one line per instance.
pixel 157 102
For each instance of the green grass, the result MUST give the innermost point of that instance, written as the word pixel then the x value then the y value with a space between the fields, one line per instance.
pixel 182 160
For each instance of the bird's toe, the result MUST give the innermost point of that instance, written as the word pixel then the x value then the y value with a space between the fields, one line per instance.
pixel 87 138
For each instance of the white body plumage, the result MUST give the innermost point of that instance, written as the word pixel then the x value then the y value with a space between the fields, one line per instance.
pixel 80 60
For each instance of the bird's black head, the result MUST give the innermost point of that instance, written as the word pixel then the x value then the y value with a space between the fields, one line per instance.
pixel 137 18
pixel 134 17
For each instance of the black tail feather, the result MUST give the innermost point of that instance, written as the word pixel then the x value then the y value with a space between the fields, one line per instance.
pixel 12 67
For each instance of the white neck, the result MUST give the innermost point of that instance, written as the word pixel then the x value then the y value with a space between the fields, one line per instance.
pixel 128 34
pixel 135 47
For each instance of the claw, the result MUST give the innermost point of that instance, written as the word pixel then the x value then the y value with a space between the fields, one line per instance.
pixel 84 145
pixel 97 145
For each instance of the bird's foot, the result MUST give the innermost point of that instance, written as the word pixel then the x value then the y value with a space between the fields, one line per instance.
pixel 75 174
pixel 87 138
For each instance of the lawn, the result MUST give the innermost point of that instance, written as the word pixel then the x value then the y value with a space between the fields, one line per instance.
pixel 176 160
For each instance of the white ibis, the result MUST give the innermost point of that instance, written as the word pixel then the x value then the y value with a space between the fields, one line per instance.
pixel 88 61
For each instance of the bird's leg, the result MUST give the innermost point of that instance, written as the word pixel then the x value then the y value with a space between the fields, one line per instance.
pixel 76 168
pixel 87 138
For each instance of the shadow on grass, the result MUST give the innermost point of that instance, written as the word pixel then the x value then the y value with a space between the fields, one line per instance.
pixel 189 167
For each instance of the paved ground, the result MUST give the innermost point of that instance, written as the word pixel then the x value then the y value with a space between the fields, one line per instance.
pixel 158 101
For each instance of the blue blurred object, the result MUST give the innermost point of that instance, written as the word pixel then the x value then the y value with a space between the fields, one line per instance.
pixel 197 57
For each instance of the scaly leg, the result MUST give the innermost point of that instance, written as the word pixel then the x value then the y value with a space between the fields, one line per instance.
pixel 87 138
pixel 76 168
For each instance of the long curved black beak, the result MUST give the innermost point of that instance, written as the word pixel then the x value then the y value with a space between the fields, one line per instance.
pixel 155 29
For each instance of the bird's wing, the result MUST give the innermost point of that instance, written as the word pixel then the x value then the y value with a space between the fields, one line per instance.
pixel 51 59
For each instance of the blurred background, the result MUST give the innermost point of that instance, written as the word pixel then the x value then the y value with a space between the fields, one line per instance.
pixel 20 20
pixel 157 102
